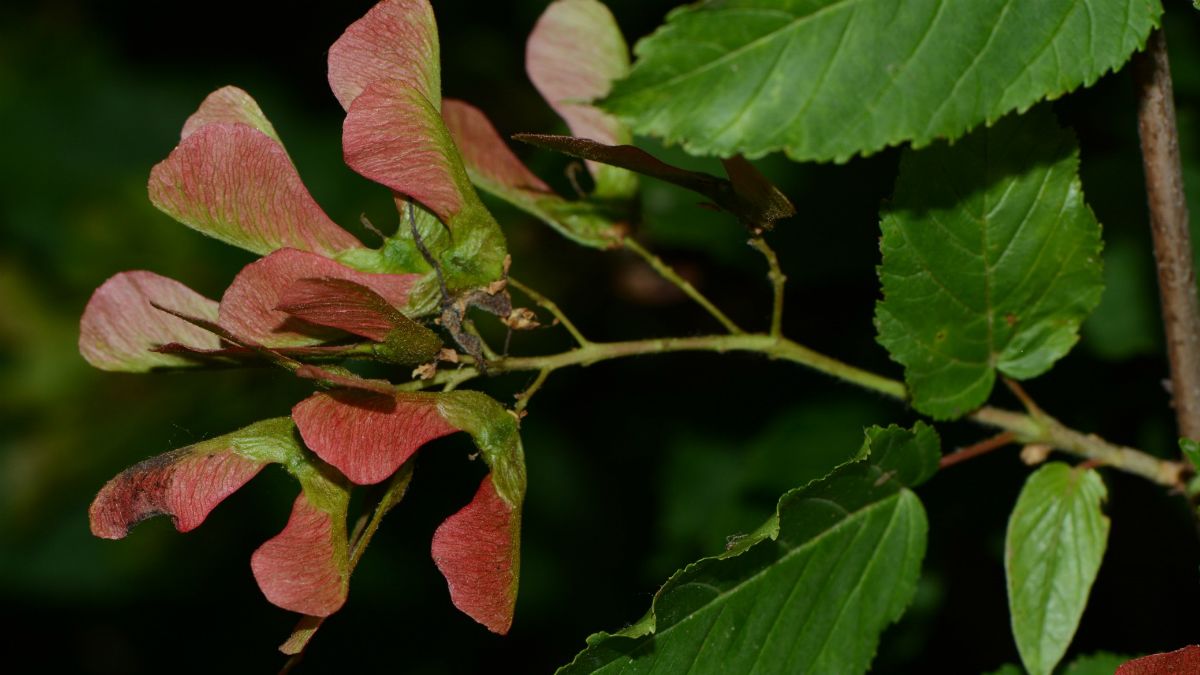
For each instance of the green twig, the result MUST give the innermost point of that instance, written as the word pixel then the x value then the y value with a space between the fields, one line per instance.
pixel 777 278
pixel 523 397
pixel 1024 427
pixel 665 271
pixel 552 308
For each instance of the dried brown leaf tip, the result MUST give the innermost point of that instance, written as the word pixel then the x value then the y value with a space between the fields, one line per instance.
pixel 746 194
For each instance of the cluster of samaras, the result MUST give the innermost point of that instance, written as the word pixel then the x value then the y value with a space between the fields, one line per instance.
pixel 318 296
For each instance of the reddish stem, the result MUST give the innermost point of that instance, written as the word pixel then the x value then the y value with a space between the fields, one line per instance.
pixel 982 447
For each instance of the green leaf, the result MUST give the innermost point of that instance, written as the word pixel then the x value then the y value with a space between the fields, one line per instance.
pixel 1055 542
pixel 810 591
pixel 826 79
pixel 1100 663
pixel 991 260
pixel 1191 450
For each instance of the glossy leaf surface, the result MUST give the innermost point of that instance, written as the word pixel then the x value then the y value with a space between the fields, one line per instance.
pixel 828 79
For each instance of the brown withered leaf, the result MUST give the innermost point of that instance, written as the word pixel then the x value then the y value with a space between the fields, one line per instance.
pixel 746 194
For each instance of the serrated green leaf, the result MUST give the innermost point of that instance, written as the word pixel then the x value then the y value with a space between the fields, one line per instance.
pixel 991 261
pixel 1055 542
pixel 810 591
pixel 912 456
pixel 827 79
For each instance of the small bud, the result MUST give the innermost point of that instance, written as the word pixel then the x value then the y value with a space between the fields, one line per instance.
pixel 1035 453
pixel 425 371
pixel 521 318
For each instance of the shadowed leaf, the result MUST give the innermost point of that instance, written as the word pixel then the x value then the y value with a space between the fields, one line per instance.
pixel 367 436
pixel 991 261
pixel 750 198
pixel 340 377
pixel 488 159
pixel 356 309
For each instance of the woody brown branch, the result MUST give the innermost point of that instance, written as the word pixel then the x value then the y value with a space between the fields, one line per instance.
pixel 1169 226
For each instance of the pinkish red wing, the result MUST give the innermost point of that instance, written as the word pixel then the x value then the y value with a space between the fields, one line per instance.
pixel 573 55
pixel 477 550
pixel 185 484
pixel 120 326
pixel 341 304
pixel 366 435
pixel 304 568
pixel 395 40
pixel 229 105
pixel 485 153
pixel 234 183
pixel 248 308
pixel 395 136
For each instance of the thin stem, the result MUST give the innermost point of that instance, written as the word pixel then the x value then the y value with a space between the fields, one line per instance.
pixel 777 278
pixel 523 398
pixel 1025 428
pixel 1025 399
pixel 665 271
pixel 549 306
pixel 982 447
pixel 1169 226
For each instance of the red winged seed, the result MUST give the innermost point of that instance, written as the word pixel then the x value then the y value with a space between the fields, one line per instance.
pixel 300 568
pixel 182 484
pixel 365 435
pixel 476 550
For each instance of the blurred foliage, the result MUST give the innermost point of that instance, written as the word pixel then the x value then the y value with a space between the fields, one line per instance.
pixel 635 467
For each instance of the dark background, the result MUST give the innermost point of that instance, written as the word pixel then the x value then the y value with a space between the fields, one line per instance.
pixel 635 467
